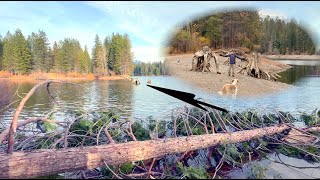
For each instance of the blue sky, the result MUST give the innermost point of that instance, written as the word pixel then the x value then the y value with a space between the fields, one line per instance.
pixel 148 24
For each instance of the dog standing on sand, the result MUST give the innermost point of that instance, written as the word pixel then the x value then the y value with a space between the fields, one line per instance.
pixel 230 89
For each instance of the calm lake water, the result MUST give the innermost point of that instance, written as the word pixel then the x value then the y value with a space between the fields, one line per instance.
pixel 132 101
pixel 141 101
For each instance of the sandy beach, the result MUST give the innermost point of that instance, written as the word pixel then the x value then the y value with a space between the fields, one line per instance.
pixel 213 82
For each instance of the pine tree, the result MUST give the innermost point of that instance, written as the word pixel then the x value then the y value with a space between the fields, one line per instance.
pixel 49 61
pixel 57 61
pixel 77 51
pixel 98 57
pixel 21 54
pixel 39 46
pixel 126 55
pixel 86 66
pixel 106 48
pixel 7 54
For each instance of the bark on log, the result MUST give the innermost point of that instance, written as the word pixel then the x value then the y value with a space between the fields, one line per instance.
pixel 48 162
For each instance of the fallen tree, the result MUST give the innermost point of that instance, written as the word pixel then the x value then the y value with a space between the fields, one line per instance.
pixel 47 162
pixel 191 130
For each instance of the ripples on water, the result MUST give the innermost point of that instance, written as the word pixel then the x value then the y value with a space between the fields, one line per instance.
pixel 131 101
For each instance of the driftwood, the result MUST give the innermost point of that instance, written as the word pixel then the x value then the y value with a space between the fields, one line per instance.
pixel 201 60
pixel 254 68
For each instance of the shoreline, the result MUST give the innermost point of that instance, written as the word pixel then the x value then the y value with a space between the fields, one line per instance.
pixel 212 82
pixel 57 76
pixel 292 57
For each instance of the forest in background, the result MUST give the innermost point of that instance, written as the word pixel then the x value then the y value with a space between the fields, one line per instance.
pixel 33 54
pixel 150 69
pixel 242 29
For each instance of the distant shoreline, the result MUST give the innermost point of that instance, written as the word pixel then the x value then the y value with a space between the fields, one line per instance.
pixel 292 57
pixel 57 76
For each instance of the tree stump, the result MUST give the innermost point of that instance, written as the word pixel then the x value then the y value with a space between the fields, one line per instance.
pixel 201 61
pixel 254 68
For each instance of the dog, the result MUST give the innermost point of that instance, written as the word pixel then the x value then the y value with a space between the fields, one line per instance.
pixel 230 89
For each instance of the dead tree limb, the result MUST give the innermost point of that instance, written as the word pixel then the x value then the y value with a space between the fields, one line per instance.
pixel 14 122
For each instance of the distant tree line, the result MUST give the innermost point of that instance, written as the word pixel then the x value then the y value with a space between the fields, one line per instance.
pixel 34 54
pixel 242 29
pixel 150 69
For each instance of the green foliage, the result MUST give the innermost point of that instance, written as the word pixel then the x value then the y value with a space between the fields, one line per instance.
pixel 16 55
pixel 39 46
pixel 295 152
pixel 106 172
pixel 242 29
pixel 310 120
pixel 22 56
pixel 160 126
pixel 191 172
pixel 98 58
pixel 82 126
pixel 49 126
pixel 126 168
pixel 120 55
pixel 232 155
pixel 139 132
pixel 257 172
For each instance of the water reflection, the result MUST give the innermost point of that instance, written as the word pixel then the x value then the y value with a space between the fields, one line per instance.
pixel 132 101
pixel 87 96
pixel 300 69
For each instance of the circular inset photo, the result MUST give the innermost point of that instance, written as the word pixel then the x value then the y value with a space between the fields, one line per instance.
pixel 239 53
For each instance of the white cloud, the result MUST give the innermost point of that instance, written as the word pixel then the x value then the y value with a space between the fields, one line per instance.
pixel 133 18
pixel 272 13
pixel 148 53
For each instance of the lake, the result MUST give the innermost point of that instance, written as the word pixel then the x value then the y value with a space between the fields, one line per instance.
pixel 141 101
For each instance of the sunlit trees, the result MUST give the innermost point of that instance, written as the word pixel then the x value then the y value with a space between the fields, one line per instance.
pixel 98 58
pixel 35 54
pixel 16 56
pixel 242 29
pixel 120 59
pixel 39 46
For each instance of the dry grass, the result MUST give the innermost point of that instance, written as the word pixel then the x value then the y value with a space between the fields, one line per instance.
pixel 5 74
pixel 71 76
